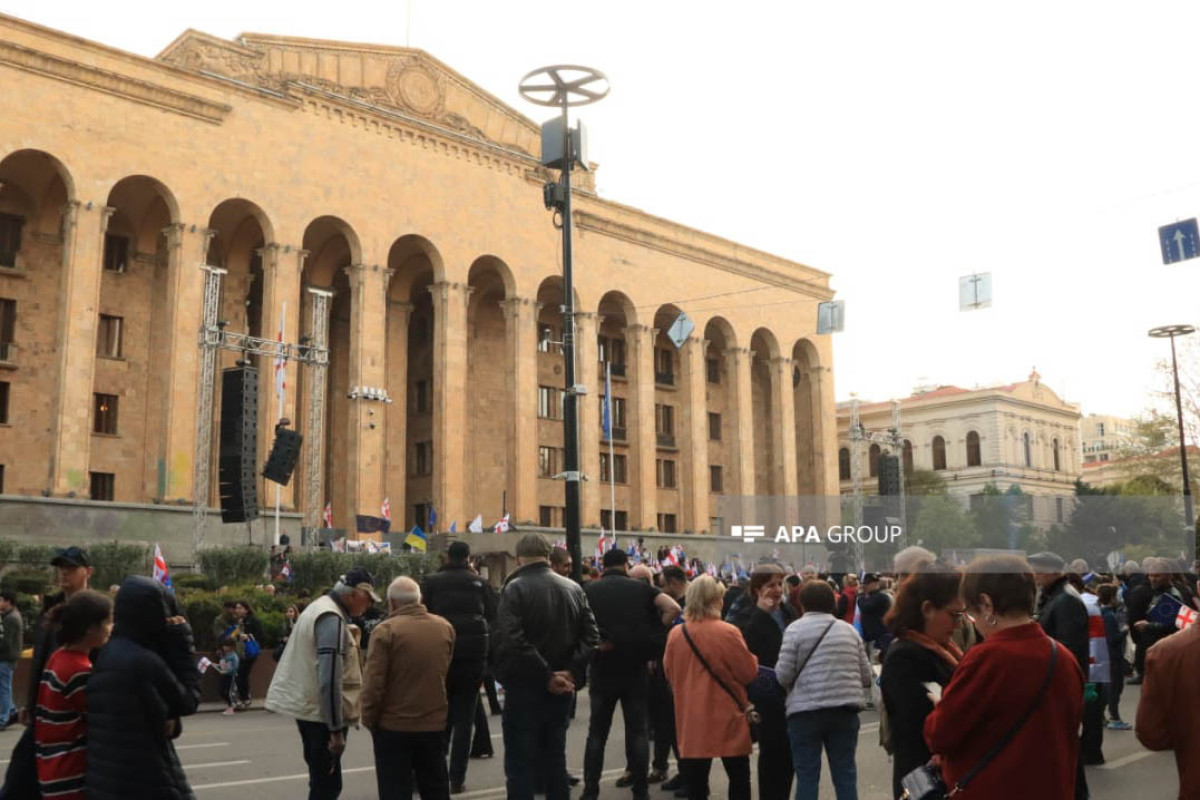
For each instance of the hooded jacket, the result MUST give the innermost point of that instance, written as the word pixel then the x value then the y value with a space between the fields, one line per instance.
pixel 133 692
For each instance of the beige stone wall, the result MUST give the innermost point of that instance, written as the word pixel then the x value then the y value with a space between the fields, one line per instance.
pixel 382 175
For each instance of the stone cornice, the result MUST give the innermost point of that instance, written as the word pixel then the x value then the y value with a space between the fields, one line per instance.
pixel 139 91
pixel 645 237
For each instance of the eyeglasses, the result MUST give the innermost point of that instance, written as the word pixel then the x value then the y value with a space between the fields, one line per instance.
pixel 956 615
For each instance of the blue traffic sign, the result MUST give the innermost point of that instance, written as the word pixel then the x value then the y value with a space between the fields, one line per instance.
pixel 1179 241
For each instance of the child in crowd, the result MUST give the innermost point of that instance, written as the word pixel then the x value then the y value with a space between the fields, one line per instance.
pixel 60 719
pixel 228 667
pixel 1114 634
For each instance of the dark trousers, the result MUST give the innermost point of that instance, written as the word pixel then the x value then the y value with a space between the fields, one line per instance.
pixel 695 773
pixel 400 756
pixel 324 772
pixel 775 771
pixel 489 686
pixel 535 741
pixel 630 690
pixel 661 705
pixel 481 742
pixel 462 692
pixel 243 678
pixel 1091 741
pixel 227 689
pixel 1116 688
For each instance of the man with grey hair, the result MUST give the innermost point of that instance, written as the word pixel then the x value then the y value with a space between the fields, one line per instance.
pixel 905 562
pixel 319 677
pixel 404 696
pixel 1152 608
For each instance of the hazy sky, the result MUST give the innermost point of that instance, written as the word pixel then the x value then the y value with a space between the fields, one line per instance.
pixel 895 145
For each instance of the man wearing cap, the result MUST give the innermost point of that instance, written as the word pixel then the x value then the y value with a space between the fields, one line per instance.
pixel 462 597
pixel 545 634
pixel 319 678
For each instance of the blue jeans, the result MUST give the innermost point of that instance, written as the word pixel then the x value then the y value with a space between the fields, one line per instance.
pixel 535 740
pixel 6 698
pixel 835 729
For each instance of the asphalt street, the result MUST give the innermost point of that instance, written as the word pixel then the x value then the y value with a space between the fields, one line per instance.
pixel 255 753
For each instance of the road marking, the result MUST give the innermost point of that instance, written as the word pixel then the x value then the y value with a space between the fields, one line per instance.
pixel 1129 759
pixel 252 781
pixel 216 764
pixel 198 746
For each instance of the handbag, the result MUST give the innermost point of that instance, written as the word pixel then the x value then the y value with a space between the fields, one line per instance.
pixel 753 718
pixel 926 783
pixel 252 648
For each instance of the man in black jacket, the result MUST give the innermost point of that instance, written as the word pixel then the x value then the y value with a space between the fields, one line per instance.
pixel 457 593
pixel 633 617
pixel 545 634
pixel 1146 623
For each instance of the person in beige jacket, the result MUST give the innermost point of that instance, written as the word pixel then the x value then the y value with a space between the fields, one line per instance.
pixel 404 696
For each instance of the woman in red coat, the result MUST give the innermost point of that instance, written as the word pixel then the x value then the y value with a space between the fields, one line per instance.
pixel 994 686
pixel 708 722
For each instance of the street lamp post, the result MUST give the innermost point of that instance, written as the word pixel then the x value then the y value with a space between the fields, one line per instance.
pixel 1170 332
pixel 564 86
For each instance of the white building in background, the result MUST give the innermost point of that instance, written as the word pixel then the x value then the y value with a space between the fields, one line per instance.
pixel 1105 437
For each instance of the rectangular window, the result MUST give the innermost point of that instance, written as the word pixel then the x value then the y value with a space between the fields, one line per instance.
pixel 666 523
pixel 102 485
pixel 104 420
pixel 664 367
pixel 545 334
pixel 618 417
pixel 666 473
pixel 550 402
pixel 714 426
pixel 116 253
pixel 606 520
pixel 715 481
pixel 547 462
pixel 713 367
pixel 621 474
pixel 421 515
pixel 716 525
pixel 612 350
pixel 8 328
pixel 546 516
pixel 424 458
pixel 421 395
pixel 4 390
pixel 10 239
pixel 664 419
pixel 108 337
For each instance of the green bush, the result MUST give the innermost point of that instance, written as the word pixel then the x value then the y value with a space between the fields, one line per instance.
pixel 192 580
pixel 113 562
pixel 33 555
pixel 227 566
pixel 27 582
pixel 203 607
pixel 319 571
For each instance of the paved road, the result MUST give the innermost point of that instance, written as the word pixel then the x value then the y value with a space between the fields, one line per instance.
pixel 258 754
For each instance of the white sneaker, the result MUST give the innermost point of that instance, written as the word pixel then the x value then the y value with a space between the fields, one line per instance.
pixel 228 712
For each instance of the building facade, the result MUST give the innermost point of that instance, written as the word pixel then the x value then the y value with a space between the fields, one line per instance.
pixel 1105 438
pixel 1020 434
pixel 382 176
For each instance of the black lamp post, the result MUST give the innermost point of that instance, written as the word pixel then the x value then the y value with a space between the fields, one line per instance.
pixel 1170 332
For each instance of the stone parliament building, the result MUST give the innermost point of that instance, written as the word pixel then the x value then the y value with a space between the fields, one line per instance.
pixel 381 175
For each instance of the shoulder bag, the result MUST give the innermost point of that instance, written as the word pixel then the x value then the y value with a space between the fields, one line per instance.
pixel 753 718
pixel 925 782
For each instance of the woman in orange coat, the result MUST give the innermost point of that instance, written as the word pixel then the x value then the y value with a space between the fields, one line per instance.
pixel 708 721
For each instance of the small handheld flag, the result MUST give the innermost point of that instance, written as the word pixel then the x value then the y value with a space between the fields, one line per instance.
pixel 454 526
pixel 416 539
pixel 327 516
pixel 502 525
pixel 161 573
pixel 476 525
pixel 1186 617
pixel 385 510
pixel 432 518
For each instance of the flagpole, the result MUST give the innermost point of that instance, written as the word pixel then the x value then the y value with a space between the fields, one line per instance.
pixel 612 461
pixel 278 419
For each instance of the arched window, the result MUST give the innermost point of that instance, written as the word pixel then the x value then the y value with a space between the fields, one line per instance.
pixel 1057 463
pixel 844 464
pixel 908 457
pixel 939 453
pixel 974 459
pixel 1028 449
pixel 873 461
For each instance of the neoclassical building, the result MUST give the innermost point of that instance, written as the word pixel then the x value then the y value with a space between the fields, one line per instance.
pixel 1019 434
pixel 382 176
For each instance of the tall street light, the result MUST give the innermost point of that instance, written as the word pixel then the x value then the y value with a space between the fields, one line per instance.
pixel 1170 332
pixel 564 86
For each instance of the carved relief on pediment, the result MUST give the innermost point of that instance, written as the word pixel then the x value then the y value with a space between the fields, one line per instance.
pixel 416 89
pixel 207 57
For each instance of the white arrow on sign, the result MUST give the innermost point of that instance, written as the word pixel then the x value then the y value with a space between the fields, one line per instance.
pixel 1179 240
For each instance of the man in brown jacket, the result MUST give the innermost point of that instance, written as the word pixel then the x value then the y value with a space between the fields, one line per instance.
pixel 404 696
pixel 1170 693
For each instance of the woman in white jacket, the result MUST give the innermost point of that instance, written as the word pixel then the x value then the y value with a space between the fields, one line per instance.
pixel 824 666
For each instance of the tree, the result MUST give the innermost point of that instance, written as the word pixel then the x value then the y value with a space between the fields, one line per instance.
pixel 942 524
pixel 923 482
pixel 1001 517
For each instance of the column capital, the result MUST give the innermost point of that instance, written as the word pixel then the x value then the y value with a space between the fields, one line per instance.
pixel 782 362
pixel 443 289
pixel 587 315
pixel 513 305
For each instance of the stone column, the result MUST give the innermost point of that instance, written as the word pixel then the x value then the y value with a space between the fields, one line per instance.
pixel 693 421
pixel 783 425
pixel 640 344
pixel 587 354
pixel 281 287
pixel 395 483
pixel 449 400
pixel 84 225
pixel 187 252
pixel 368 359
pixel 738 362
pixel 520 315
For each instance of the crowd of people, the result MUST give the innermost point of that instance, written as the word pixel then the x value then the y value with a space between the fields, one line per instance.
pixel 992 680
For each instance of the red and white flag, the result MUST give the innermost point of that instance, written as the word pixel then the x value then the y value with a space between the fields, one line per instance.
pixel 385 510
pixel 1185 617
pixel 601 545
pixel 161 573
pixel 502 525
pixel 327 516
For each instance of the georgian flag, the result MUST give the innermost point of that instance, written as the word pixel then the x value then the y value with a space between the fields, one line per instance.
pixel 286 572
pixel 601 545
pixel 502 525
pixel 161 573
pixel 327 515
pixel 385 510
pixel 1185 617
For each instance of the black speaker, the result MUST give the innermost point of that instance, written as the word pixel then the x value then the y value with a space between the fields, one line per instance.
pixel 284 454
pixel 889 475
pixel 236 462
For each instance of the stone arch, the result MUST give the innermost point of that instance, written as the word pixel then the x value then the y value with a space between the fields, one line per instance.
pixel 36 186
pixel 666 355
pixel 142 208
pixel 415 263
pixel 807 388
pixel 331 244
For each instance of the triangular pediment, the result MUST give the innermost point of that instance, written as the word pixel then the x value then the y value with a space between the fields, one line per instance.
pixel 400 79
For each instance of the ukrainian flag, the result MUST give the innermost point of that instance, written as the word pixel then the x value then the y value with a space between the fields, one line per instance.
pixel 416 539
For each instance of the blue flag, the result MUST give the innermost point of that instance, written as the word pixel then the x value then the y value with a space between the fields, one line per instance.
pixel 416 539
pixel 432 518
pixel 454 526
pixel 606 410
